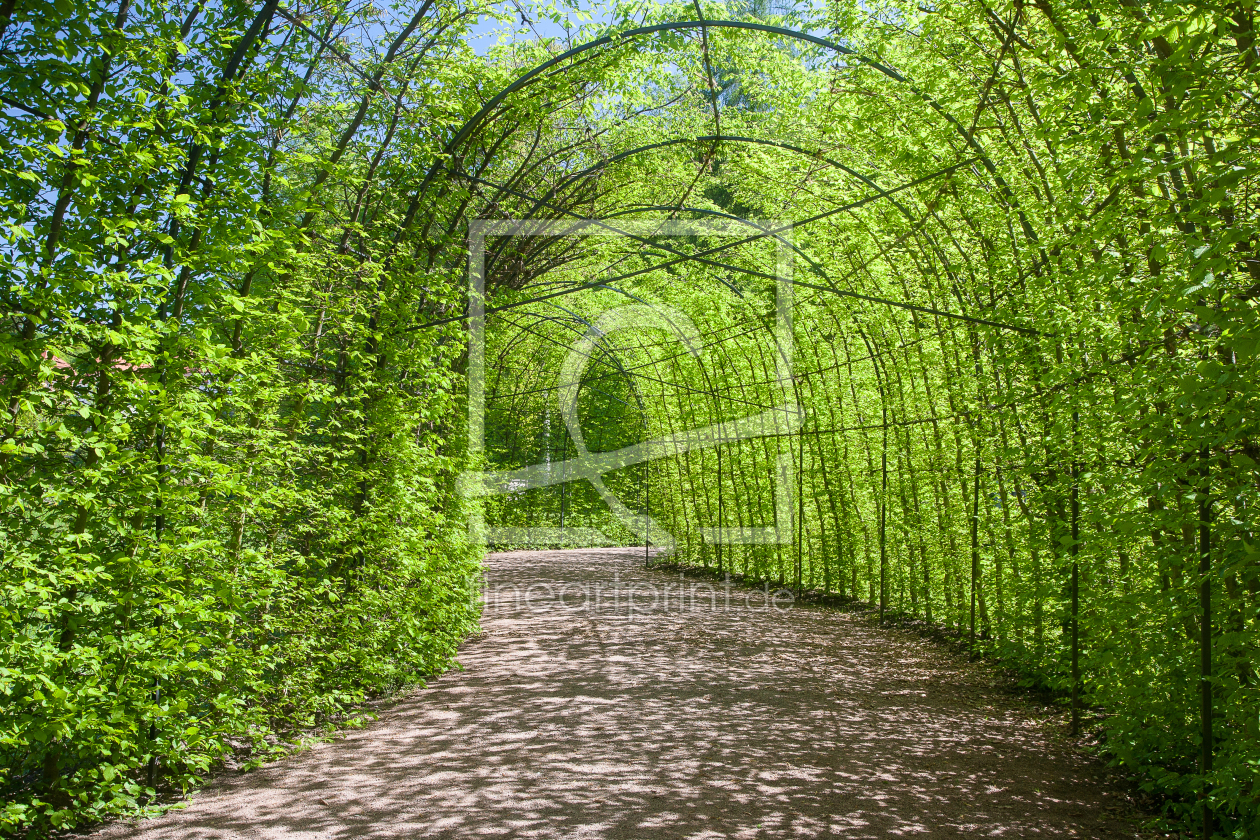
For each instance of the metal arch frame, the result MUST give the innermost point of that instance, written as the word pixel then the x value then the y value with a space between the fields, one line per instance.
pixel 813 155
pixel 784 343
pixel 781 242
pixel 620 156
pixel 816 269
pixel 618 38
pixel 525 329
pixel 774 233
pixel 470 126
pixel 704 138
pixel 539 203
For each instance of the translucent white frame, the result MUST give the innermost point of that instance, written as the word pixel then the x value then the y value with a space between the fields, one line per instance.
pixel 777 420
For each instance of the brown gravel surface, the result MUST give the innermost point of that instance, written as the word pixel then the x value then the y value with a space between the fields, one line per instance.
pixel 709 716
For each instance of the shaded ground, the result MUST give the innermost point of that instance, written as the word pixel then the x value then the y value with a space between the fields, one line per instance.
pixel 712 716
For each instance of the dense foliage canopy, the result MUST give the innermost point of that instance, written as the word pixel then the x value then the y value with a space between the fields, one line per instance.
pixel 1023 270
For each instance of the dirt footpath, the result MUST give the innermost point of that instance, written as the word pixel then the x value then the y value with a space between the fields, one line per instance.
pixel 606 701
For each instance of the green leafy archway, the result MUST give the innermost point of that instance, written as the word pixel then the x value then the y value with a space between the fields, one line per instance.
pixel 235 285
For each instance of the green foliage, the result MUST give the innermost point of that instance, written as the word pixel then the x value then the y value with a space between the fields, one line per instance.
pixel 234 372
pixel 226 488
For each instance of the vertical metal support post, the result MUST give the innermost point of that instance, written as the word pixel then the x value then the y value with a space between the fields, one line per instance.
pixel 883 518
pixel 1074 550
pixel 159 528
pixel 800 507
pixel 721 523
pixel 647 500
pixel 975 545
pixel 1205 640
pixel 151 772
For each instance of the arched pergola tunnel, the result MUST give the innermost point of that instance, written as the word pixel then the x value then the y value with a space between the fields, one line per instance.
pixel 936 471
pixel 1013 400
pixel 882 355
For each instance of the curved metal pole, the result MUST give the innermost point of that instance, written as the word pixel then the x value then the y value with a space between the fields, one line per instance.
pixel 545 199
pixel 702 254
pixel 815 155
pixel 705 138
pixel 619 38
pixel 522 81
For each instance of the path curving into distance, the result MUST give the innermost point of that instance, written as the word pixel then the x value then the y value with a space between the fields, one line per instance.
pixel 577 717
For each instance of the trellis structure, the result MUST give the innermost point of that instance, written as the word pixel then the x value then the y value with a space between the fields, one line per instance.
pixel 1019 625
pixel 1023 330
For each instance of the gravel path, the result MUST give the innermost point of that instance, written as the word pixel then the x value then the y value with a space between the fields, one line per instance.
pixel 711 716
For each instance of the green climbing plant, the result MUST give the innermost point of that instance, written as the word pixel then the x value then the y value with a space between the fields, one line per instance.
pixel 1024 338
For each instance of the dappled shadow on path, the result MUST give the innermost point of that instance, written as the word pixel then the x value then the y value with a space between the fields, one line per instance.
pixel 579 716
